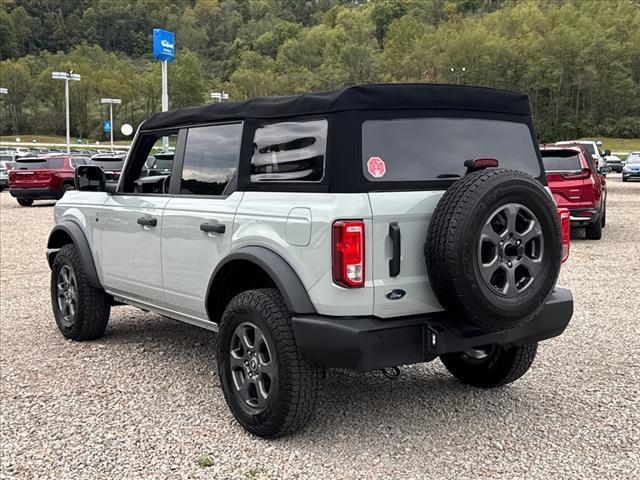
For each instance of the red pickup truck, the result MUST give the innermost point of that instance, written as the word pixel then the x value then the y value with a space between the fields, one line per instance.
pixel 578 185
pixel 43 178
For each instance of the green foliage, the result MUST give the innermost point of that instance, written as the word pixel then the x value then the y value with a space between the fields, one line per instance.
pixel 579 60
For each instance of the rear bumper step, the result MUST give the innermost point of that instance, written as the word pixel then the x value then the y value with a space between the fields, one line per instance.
pixel 369 343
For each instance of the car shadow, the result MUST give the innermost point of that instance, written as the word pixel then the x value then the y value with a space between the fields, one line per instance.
pixel 351 403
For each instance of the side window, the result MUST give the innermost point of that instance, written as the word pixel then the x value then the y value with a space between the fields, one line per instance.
pixel 149 169
pixel 210 159
pixel 289 152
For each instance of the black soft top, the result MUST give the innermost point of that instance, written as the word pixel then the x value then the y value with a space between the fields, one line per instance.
pixel 360 97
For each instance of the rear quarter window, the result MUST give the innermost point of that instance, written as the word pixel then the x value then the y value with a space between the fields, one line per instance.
pixel 419 149
pixel 289 152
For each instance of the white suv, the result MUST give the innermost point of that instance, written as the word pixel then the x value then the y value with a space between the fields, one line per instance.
pixel 363 228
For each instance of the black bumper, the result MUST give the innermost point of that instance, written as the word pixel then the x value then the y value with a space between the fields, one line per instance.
pixel 365 344
pixel 35 193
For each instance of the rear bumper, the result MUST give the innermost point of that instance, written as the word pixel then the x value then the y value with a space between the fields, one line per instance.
pixel 581 217
pixel 35 193
pixel 365 344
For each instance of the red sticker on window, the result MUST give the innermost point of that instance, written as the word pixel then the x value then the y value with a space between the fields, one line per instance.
pixel 376 167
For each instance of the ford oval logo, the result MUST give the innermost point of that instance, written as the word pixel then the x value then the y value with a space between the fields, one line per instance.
pixel 395 294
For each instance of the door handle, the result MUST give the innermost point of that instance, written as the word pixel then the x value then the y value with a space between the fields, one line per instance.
pixel 147 221
pixel 394 263
pixel 213 227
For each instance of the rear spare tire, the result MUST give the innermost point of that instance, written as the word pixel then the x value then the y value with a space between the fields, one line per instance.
pixel 493 249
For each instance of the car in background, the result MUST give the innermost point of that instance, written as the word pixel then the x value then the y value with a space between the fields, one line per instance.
pixel 159 163
pixel 631 168
pixel 111 164
pixel 614 163
pixel 578 185
pixel 5 166
pixel 43 177
pixel 591 146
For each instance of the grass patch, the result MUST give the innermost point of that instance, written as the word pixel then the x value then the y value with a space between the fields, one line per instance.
pixel 618 144
pixel 205 461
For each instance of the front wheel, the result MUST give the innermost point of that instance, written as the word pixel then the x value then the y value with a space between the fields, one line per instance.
pixel 490 366
pixel 81 310
pixel 25 202
pixel 269 386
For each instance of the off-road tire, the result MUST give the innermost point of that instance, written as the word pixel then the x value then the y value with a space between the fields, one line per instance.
pixel 291 405
pixel 94 305
pixel 451 249
pixel 503 366
pixel 25 202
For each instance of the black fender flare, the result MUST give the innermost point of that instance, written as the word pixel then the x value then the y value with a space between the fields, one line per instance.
pixel 281 273
pixel 58 238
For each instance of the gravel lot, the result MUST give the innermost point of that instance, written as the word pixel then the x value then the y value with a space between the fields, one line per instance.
pixel 144 401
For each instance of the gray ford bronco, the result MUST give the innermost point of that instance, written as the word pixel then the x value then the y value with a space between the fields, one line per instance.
pixel 363 228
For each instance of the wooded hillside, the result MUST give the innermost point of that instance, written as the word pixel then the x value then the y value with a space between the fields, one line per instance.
pixel 579 60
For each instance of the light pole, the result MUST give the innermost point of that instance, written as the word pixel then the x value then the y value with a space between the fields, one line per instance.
pixel 458 73
pixel 66 76
pixel 220 96
pixel 111 102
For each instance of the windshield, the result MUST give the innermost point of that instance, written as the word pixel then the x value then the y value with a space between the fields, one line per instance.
pixel 559 161
pixel 418 149
pixel 634 159
pixel 108 163
pixel 39 163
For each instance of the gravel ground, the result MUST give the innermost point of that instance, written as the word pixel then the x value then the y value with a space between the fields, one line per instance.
pixel 144 401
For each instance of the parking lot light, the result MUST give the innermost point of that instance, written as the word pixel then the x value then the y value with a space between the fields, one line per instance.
pixel 111 102
pixel 66 76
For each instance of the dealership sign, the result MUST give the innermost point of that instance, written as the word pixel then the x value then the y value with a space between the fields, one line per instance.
pixel 164 46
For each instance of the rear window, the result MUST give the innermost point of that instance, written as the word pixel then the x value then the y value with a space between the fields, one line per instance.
pixel 107 163
pixel 559 161
pixel 40 164
pixel 419 149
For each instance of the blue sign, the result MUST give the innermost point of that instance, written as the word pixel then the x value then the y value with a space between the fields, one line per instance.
pixel 164 46
pixel 106 126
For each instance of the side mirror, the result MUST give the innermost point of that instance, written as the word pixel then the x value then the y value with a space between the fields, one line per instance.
pixel 89 178
pixel 607 153
pixel 604 170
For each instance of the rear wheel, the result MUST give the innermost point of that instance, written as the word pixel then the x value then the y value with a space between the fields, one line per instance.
pixel 269 386
pixel 594 232
pixel 25 202
pixel 490 366
pixel 66 187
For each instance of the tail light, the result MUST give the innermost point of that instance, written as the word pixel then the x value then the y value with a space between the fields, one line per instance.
pixel 348 253
pixel 565 227
pixel 581 175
